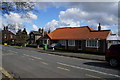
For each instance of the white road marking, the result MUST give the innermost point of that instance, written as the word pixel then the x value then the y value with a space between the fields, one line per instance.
pixel 33 57
pixel 44 63
pixel 63 68
pixel 25 55
pixel 6 54
pixel 89 70
pixel 95 77
pixel 36 57
pixel 49 54
pixel 52 54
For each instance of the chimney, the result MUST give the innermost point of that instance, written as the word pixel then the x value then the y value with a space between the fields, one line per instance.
pixel 49 30
pixel 99 27
pixel 40 30
pixel 7 28
pixel 24 30
pixel 4 28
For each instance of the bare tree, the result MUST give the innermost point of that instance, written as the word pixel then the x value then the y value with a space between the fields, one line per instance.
pixel 23 7
pixel 12 27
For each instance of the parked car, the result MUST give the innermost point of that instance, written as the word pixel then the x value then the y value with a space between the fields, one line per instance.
pixel 55 45
pixel 113 55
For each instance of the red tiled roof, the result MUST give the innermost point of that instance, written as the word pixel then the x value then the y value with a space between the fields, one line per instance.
pixel 78 33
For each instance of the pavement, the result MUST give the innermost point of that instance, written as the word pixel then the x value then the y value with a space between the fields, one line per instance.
pixel 70 54
pixel 77 55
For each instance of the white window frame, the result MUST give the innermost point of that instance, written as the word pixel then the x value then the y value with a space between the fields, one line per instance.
pixel 11 36
pixel 69 43
pixel 32 41
pixel 92 43
pixel 45 41
pixel 62 42
pixel 5 36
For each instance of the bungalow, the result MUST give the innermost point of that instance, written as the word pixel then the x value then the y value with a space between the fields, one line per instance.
pixel 81 38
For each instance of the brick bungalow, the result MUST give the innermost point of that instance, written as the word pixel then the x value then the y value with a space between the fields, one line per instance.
pixel 81 38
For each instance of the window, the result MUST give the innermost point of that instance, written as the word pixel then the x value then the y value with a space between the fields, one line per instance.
pixel 5 36
pixel 92 43
pixel 32 36
pixel 62 42
pixel 32 42
pixel 71 42
pixel 11 36
pixel 45 41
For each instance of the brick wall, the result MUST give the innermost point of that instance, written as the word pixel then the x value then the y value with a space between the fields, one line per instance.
pixel 71 48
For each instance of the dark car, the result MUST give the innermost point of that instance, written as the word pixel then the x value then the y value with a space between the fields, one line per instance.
pixel 113 55
pixel 56 45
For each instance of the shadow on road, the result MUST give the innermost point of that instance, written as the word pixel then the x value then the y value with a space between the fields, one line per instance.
pixel 101 64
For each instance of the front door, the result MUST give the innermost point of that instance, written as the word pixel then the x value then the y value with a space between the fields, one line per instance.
pixel 79 45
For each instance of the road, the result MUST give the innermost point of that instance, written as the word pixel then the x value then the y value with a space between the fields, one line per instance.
pixel 29 63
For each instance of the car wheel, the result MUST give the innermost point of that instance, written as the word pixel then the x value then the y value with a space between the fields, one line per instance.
pixel 113 62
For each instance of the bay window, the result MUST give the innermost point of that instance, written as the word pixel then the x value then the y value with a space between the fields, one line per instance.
pixel 62 42
pixel 71 42
pixel 92 43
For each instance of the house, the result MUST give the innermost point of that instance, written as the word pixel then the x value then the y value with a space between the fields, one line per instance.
pixel 21 37
pixel 44 39
pixel 81 38
pixel 7 36
pixel 34 36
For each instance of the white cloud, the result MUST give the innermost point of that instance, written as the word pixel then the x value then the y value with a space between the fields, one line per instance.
pixel 100 7
pixel 74 16
pixel 13 17
pixel 70 16
pixel 18 19
pixel 91 13
pixel 35 27
pixel 43 5
pixel 52 25
pixel 31 15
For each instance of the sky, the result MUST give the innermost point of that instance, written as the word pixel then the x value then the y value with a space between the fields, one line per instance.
pixel 54 15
